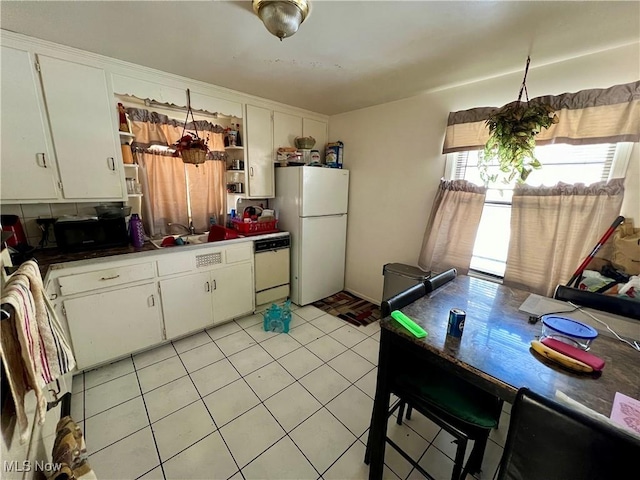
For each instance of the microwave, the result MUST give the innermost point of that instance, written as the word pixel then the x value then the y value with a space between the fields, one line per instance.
pixel 73 233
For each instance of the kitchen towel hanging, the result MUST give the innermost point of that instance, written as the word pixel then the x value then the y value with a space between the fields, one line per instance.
pixel 34 348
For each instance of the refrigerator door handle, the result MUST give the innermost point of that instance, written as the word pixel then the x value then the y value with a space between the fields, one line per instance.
pixel 325 216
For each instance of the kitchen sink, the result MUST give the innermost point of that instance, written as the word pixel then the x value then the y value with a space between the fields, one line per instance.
pixel 196 239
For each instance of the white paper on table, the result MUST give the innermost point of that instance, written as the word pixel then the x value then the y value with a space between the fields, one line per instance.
pixel 626 412
pixel 564 398
pixel 539 305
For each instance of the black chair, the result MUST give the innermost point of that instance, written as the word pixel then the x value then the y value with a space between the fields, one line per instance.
pixel 464 411
pixel 551 441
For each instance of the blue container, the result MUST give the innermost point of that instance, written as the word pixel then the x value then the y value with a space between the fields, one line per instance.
pixel 456 322
pixel 569 331
pixel 277 318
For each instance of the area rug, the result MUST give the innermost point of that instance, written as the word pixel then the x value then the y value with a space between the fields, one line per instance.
pixel 348 307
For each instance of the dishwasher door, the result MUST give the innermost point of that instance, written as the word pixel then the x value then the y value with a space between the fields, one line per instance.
pixel 272 275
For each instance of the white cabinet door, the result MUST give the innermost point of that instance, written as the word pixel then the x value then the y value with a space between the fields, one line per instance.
pixel 124 85
pixel 28 166
pixel 108 325
pixel 83 122
pixel 233 293
pixel 286 128
pixel 259 141
pixel 317 130
pixel 216 105
pixel 186 304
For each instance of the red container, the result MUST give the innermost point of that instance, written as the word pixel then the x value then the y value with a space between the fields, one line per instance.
pixel 11 223
pixel 218 232
pixel 254 228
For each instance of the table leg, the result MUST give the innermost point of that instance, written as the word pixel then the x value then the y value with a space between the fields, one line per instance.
pixel 378 430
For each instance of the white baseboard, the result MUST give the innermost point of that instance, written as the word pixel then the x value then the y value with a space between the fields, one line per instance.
pixel 363 296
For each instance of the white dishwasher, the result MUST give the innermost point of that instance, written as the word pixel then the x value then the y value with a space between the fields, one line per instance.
pixel 272 269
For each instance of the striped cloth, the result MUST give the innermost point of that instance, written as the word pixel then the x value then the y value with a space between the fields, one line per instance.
pixel 43 351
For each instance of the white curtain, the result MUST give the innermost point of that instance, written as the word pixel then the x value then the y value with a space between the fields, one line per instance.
pixel 452 227
pixel 164 177
pixel 553 229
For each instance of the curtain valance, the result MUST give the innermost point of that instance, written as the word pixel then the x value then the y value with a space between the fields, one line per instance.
pixel 153 128
pixel 606 115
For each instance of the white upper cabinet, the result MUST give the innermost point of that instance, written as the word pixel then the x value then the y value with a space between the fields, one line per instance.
pixel 216 105
pixel 124 85
pixel 259 144
pixel 317 130
pixel 28 165
pixel 286 128
pixel 82 115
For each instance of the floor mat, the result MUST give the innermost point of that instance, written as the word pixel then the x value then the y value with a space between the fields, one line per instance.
pixel 348 307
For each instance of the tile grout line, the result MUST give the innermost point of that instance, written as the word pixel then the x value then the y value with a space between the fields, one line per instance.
pixel 261 402
pixel 241 328
pixel 155 443
pixel 201 399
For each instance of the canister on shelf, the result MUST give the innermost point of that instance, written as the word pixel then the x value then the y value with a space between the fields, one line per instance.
pixel 127 155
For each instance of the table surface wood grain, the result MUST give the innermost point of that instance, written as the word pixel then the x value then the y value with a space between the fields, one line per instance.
pixel 494 351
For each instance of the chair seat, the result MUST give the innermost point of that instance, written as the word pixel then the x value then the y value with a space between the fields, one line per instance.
pixel 454 399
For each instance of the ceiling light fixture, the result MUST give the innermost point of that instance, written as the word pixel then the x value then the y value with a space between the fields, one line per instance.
pixel 281 17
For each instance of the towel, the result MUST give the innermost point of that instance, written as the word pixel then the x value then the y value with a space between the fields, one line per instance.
pixel 34 349
pixel 57 356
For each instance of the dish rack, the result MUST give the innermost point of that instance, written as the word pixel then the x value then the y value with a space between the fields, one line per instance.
pixel 254 228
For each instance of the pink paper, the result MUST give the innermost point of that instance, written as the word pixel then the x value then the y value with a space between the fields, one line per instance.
pixel 626 412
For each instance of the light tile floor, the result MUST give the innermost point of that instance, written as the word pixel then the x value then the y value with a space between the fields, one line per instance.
pixel 237 402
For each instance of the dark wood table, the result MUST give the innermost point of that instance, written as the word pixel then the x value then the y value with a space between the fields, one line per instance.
pixel 493 353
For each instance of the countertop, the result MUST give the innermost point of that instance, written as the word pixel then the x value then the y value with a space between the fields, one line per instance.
pixel 55 258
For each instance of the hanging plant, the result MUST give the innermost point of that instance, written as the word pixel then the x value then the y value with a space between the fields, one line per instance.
pixel 513 129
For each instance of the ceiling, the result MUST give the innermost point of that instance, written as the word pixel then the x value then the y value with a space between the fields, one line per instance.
pixel 347 54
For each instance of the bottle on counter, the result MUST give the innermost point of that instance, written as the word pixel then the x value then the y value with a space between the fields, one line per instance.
pixel 136 231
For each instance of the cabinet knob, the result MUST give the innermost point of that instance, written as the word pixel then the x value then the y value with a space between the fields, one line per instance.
pixel 112 163
pixel 152 301
pixel 207 287
pixel 251 171
pixel 214 285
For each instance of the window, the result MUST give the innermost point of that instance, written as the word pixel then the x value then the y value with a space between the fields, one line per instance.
pixel 561 163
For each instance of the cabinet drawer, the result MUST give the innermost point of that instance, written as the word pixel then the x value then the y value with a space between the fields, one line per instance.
pixel 273 294
pixel 84 282
pixel 241 253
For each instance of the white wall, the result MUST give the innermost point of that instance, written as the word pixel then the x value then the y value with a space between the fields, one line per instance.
pixel 394 154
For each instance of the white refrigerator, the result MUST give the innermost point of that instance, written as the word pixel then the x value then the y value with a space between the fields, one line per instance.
pixel 311 204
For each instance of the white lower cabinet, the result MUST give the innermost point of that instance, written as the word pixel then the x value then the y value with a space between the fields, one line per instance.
pixel 201 300
pixel 233 292
pixel 186 304
pixel 119 307
pixel 104 326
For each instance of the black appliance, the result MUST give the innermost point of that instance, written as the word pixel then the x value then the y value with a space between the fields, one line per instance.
pixel 73 233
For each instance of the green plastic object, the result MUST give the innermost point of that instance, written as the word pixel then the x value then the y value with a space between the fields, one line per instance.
pixel 415 329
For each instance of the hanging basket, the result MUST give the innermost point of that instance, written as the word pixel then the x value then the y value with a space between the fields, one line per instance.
pixel 194 156
pixel 191 147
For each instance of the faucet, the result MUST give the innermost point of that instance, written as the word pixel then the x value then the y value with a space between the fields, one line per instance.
pixel 191 229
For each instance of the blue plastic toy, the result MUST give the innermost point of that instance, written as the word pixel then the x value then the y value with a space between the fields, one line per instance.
pixel 277 318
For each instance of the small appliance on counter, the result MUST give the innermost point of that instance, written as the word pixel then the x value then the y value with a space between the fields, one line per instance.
pixel 14 238
pixel 74 233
